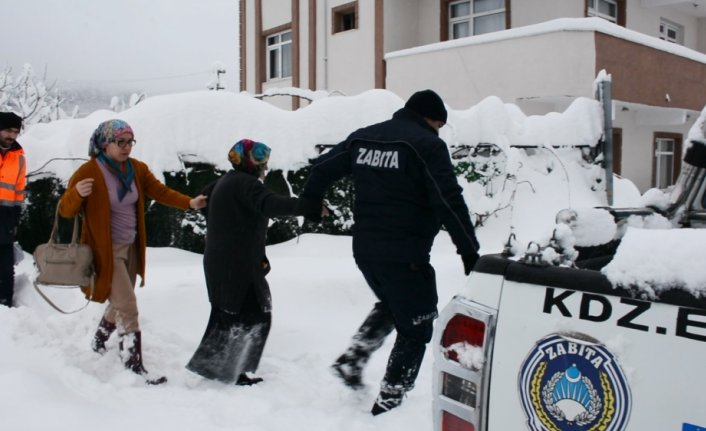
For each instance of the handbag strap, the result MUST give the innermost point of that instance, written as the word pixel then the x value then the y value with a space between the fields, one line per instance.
pixel 54 236
pixel 56 307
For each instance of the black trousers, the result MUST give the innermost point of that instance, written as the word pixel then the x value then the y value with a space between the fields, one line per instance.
pixel 233 342
pixel 7 274
pixel 407 302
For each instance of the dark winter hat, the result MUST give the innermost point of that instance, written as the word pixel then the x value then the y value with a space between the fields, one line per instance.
pixel 10 120
pixel 105 133
pixel 249 155
pixel 427 104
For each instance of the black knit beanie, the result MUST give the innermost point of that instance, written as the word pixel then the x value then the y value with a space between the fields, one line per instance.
pixel 10 120
pixel 427 104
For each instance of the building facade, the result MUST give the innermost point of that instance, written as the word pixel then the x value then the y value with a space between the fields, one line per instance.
pixel 539 54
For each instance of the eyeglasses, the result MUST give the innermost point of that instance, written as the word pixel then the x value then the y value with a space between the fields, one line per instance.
pixel 122 143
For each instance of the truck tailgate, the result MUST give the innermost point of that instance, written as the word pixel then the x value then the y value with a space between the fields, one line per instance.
pixel 570 359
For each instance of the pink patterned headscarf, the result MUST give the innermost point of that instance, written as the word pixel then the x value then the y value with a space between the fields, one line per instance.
pixel 105 133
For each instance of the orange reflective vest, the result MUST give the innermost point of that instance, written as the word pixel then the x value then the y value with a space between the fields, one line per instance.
pixel 12 176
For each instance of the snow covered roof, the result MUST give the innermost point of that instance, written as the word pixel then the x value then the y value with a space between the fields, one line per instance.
pixel 559 25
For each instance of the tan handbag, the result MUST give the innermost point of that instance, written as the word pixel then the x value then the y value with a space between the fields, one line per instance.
pixel 64 265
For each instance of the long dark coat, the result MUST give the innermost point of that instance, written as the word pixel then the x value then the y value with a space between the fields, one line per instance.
pixel 239 207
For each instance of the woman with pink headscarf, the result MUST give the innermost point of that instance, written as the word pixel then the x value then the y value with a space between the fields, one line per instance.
pixel 110 190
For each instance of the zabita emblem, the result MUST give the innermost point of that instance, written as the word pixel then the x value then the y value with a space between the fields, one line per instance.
pixel 568 383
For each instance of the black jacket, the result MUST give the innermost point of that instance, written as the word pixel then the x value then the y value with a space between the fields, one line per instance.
pixel 239 206
pixel 405 189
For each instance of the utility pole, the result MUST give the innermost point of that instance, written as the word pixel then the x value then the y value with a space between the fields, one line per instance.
pixel 603 94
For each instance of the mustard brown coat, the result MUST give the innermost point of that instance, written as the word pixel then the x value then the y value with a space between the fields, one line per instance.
pixel 96 229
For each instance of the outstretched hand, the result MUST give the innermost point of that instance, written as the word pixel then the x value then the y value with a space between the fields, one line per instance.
pixel 198 202
pixel 312 209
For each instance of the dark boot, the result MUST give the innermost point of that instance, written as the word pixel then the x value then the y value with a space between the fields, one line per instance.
pixel 388 399
pixel 245 380
pixel 131 354
pixel 105 329
pixel 349 367
pixel 402 369
pixel 370 336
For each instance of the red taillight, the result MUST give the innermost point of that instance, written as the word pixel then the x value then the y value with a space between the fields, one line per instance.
pixel 462 329
pixel 451 422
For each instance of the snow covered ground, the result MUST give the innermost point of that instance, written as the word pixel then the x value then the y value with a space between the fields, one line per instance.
pixel 51 379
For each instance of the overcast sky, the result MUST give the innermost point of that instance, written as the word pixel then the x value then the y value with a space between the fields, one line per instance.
pixel 147 45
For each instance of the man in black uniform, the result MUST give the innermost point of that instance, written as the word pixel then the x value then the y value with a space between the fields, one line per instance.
pixel 405 189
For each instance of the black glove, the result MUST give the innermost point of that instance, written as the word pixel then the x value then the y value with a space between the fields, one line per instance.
pixel 469 261
pixel 310 209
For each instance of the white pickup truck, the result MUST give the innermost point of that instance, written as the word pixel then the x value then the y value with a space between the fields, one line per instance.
pixel 607 342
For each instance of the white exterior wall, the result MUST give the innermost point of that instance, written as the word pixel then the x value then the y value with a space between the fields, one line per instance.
pixel 399 34
pixel 545 66
pixel 533 12
pixel 636 151
pixel 429 22
pixel 646 20
pixel 425 24
pixel 637 145
pixel 276 13
pixel 351 67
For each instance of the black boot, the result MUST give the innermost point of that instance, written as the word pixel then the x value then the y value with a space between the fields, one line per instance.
pixel 131 353
pixel 402 369
pixel 349 366
pixel 387 399
pixel 370 336
pixel 244 380
pixel 105 329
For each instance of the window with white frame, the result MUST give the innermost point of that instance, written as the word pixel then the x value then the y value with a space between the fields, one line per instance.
pixel 279 55
pixel 671 32
pixel 606 9
pixel 473 17
pixel 664 162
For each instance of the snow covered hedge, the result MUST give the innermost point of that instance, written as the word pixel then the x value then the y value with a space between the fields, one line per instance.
pixel 184 139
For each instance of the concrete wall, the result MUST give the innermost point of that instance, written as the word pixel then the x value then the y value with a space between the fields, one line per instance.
pixel 646 20
pixel 543 66
pixel 351 65
pixel 276 13
pixel 536 11
pixel 429 24
pixel 638 140
pixel 399 34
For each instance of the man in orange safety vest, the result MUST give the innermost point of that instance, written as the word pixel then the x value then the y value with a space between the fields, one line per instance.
pixel 12 195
